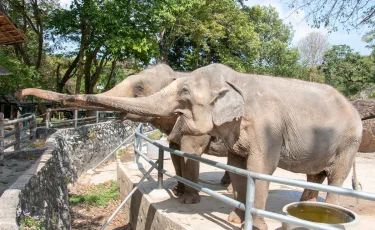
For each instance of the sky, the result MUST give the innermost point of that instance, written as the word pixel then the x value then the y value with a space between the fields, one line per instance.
pixel 301 27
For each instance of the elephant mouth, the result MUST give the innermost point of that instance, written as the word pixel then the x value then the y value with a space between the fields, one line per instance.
pixel 184 126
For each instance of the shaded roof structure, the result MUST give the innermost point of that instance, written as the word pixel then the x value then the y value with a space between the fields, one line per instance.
pixel 9 33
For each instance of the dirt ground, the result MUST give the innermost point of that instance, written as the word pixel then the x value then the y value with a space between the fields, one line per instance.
pixel 89 217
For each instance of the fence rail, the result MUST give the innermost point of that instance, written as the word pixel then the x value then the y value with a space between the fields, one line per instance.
pixel 248 207
pixel 19 133
pixel 75 121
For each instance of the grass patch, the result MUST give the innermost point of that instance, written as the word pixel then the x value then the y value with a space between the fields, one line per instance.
pixel 99 195
pixel 37 144
pixel 155 136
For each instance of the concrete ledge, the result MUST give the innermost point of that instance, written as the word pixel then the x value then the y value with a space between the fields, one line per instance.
pixel 142 211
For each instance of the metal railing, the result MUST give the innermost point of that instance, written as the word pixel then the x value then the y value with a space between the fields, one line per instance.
pixel 75 120
pixel 248 207
pixel 17 133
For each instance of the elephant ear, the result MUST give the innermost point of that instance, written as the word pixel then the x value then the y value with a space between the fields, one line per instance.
pixel 228 103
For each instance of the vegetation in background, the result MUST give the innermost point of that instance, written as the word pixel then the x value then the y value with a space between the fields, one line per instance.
pixel 93 45
pixel 99 195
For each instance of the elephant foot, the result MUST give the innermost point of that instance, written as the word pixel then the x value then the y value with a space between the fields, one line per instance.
pixel 230 188
pixel 236 216
pixel 190 198
pixel 258 224
pixel 179 190
pixel 225 181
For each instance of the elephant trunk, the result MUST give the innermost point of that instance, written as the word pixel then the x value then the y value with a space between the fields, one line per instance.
pixel 45 94
pixel 161 104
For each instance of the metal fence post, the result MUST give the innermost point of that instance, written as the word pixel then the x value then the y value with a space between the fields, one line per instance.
pixel 75 118
pixel 250 196
pixel 48 118
pixel 160 168
pixel 97 116
pixel 33 127
pixel 2 136
pixel 18 127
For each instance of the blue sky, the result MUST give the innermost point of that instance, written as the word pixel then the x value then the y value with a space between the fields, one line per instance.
pixel 301 27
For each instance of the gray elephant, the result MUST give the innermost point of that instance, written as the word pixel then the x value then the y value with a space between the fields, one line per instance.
pixel 144 84
pixel 264 122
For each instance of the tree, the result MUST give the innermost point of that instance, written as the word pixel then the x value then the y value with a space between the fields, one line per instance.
pixel 274 57
pixel 312 49
pixel 29 16
pixel 347 71
pixel 197 33
pixel 349 13
pixel 106 31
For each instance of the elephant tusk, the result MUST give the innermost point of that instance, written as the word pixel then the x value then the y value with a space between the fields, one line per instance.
pixel 213 99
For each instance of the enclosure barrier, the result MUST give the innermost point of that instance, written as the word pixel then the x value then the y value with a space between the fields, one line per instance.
pixel 75 119
pixel 19 132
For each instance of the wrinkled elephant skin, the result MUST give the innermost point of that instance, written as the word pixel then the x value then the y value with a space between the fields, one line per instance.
pixel 264 122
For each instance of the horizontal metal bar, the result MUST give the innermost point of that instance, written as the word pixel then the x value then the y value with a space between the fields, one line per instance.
pixel 26 136
pixel 10 133
pixel 12 122
pixel 223 198
pixel 26 127
pixel 259 176
pixel 238 204
pixel 10 144
pixel 86 118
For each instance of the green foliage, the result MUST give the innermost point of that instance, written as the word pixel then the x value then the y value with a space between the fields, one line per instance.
pixel 275 57
pixel 99 196
pixel 32 222
pixel 23 76
pixel 37 144
pixel 347 71
pixel 156 135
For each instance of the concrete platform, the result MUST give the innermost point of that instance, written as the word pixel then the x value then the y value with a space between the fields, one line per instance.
pixel 164 211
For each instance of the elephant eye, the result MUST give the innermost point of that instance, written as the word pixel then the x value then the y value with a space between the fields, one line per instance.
pixel 139 87
pixel 185 90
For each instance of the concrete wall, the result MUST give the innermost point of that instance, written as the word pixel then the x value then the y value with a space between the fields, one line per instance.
pixel 42 190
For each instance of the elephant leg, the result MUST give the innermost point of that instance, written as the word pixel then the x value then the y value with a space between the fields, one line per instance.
pixel 190 168
pixel 312 195
pixel 177 161
pixel 237 216
pixel 265 165
pixel 338 172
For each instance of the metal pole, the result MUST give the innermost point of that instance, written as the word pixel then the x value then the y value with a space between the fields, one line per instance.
pixel 2 136
pixel 127 198
pixel 18 134
pixel 250 196
pixel 33 128
pixel 97 116
pixel 160 168
pixel 48 118
pixel 75 118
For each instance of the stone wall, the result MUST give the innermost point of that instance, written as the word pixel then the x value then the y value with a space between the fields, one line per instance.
pixel 42 190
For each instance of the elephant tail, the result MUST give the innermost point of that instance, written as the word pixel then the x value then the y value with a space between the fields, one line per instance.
pixel 355 184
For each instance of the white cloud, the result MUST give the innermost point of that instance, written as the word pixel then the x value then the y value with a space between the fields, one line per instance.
pixel 65 3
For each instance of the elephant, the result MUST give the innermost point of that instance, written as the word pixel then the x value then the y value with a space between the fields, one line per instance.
pixel 146 83
pixel 264 122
